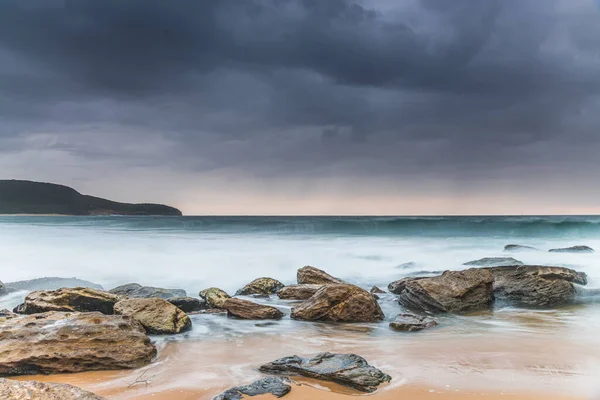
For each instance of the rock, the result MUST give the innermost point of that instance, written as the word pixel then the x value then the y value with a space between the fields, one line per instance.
pixel 7 314
pixel 34 390
pixel 536 286
pixel 277 387
pixel 407 265
pixel 3 289
pixel 453 291
pixel 494 262
pixel 410 323
pixel 136 290
pixel 518 247
pixel 376 290
pixel 188 304
pixel 298 292
pixel 313 276
pixel 573 249
pixel 70 299
pixel 214 297
pixel 19 309
pixel 156 315
pixel 59 342
pixel 346 369
pixel 260 286
pixel 245 309
pixel 339 303
pixel 52 283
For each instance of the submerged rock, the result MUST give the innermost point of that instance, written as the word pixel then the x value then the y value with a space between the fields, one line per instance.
pixel 188 304
pixel 410 322
pixel 313 276
pixel 136 290
pixel 245 309
pixel 52 283
pixel 59 342
pixel 518 247
pixel 260 286
pixel 70 299
pixel 453 291
pixel 277 387
pixel 339 303
pixel 214 297
pixel 34 390
pixel 298 292
pixel 573 249
pixel 156 315
pixel 346 369
pixel 494 262
pixel 536 286
pixel 376 290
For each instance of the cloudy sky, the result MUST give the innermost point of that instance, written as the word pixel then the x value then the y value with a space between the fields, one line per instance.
pixel 307 106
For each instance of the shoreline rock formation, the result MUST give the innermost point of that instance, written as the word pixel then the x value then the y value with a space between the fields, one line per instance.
pixel 136 290
pixel 406 322
pixel 245 309
pixel 298 292
pixel 214 297
pixel 313 276
pixel 156 315
pixel 69 300
pixel 275 386
pixel 29 390
pixel 260 286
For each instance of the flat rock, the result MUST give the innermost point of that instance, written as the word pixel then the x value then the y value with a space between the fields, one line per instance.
pixel 52 283
pixel 346 369
pixel 156 315
pixel 260 286
pixel 406 322
pixel 536 286
pixel 573 249
pixel 453 291
pixel 188 304
pixel 518 247
pixel 245 309
pixel 214 297
pixel 494 262
pixel 277 387
pixel 70 299
pixel 313 276
pixel 59 342
pixel 339 303
pixel 34 390
pixel 298 292
pixel 136 290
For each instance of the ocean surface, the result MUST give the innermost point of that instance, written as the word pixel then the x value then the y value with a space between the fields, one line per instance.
pixel 507 347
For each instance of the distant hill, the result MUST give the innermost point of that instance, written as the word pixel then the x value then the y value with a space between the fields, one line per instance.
pixel 27 197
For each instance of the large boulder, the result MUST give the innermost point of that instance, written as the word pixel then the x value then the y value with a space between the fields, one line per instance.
pixel 277 387
pixel 453 291
pixel 536 286
pixel 406 322
pixel 70 299
pixel 298 292
pixel 494 262
pixel 188 304
pixel 136 290
pixel 156 315
pixel 52 283
pixel 519 247
pixel 346 369
pixel 214 297
pixel 34 390
pixel 59 342
pixel 573 249
pixel 245 309
pixel 339 303
pixel 313 276
pixel 260 286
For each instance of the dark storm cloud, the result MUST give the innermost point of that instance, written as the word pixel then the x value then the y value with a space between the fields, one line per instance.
pixel 456 89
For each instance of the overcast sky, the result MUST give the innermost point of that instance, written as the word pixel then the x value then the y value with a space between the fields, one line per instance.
pixel 307 106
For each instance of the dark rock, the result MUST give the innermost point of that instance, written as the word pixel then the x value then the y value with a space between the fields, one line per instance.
pixel 52 283
pixel 136 290
pixel 214 297
pixel 346 369
pixel 375 289
pixel 313 276
pixel 245 309
pixel 156 315
pixel 19 309
pixel 70 299
pixel 536 286
pixel 518 247
pixel 410 323
pixel 34 390
pixel 494 262
pixel 188 304
pixel 407 265
pixel 573 249
pixel 453 291
pixel 298 292
pixel 339 303
pixel 277 387
pixel 260 286
pixel 59 342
